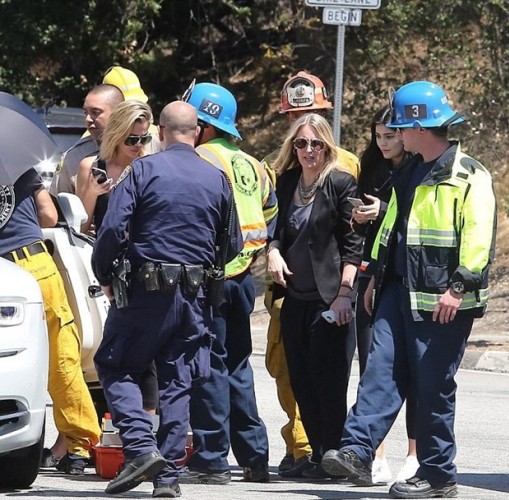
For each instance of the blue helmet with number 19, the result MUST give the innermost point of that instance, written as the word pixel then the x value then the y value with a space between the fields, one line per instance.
pixel 215 105
pixel 422 105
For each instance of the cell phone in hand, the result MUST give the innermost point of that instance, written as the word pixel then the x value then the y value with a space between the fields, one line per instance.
pixel 100 174
pixel 356 202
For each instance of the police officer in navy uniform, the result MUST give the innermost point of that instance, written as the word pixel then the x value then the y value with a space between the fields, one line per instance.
pixel 167 211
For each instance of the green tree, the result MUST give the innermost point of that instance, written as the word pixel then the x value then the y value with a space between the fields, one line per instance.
pixel 54 51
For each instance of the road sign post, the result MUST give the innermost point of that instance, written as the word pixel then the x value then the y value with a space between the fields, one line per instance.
pixel 341 13
pixel 338 88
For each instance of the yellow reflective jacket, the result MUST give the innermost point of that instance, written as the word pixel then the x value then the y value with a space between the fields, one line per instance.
pixel 254 195
pixel 450 233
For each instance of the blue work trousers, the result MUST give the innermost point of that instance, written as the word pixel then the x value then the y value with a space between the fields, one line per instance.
pixel 364 335
pixel 223 409
pixel 426 353
pixel 173 330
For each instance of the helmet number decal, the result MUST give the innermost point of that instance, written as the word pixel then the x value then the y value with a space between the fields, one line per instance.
pixel 416 111
pixel 210 108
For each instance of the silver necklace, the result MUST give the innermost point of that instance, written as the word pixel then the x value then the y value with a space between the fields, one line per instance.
pixel 306 193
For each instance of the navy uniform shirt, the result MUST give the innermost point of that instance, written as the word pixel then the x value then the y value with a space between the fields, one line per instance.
pixel 19 223
pixel 172 205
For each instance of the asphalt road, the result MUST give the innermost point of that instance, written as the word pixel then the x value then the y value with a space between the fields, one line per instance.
pixel 482 429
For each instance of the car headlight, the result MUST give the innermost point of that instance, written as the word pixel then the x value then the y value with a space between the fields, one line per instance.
pixel 11 313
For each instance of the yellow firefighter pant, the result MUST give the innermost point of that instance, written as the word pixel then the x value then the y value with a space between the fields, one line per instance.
pixel 73 409
pixel 293 432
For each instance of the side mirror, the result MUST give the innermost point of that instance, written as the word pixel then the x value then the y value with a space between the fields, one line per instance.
pixel 72 209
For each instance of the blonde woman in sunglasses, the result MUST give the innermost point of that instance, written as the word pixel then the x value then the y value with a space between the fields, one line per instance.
pixel 124 139
pixel 313 261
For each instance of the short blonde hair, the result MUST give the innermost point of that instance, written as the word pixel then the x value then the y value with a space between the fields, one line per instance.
pixel 287 157
pixel 119 126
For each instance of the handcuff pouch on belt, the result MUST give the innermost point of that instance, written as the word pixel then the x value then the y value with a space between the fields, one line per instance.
pixel 170 277
pixel 193 278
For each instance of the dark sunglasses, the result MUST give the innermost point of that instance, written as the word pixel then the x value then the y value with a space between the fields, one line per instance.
pixel 134 140
pixel 303 142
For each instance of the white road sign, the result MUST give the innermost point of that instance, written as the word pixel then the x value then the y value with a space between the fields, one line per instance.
pixel 348 17
pixel 358 4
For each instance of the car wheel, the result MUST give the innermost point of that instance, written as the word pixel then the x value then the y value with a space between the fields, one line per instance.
pixel 19 468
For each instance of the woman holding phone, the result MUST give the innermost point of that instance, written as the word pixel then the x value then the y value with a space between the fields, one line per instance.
pixel 123 140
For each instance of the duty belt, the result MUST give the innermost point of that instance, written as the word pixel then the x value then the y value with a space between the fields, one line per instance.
pixel 165 277
pixel 19 253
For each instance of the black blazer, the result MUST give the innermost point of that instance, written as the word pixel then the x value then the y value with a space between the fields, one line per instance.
pixel 332 240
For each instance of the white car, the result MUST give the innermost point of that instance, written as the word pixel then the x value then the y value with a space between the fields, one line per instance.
pixel 23 376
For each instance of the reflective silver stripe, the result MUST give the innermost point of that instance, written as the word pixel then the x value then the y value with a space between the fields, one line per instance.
pixel 433 237
pixel 254 234
pixel 211 158
pixel 423 301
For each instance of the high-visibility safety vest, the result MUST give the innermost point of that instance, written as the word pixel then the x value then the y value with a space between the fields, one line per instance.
pixel 450 234
pixel 254 195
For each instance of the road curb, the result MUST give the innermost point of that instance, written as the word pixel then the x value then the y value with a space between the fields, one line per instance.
pixel 490 361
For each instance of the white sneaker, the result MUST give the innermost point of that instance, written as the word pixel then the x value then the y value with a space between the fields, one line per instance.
pixel 380 471
pixel 409 468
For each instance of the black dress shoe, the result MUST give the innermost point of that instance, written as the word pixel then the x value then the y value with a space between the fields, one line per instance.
pixel 136 471
pixel 347 463
pixel 287 463
pixel 257 474
pixel 300 465
pixel 416 487
pixel 316 473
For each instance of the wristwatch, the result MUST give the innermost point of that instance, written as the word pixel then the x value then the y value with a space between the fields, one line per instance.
pixel 458 287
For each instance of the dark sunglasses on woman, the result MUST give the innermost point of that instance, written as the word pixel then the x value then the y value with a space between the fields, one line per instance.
pixel 134 140
pixel 304 142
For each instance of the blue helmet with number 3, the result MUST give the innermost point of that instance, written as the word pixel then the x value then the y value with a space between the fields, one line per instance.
pixel 215 105
pixel 422 105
